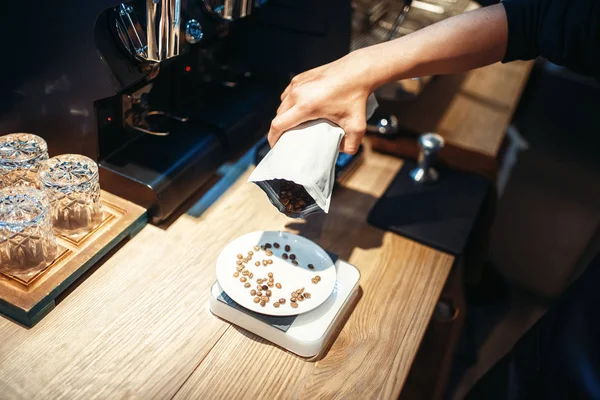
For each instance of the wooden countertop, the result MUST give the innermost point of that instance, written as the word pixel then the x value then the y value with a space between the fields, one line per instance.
pixel 139 326
pixel 470 110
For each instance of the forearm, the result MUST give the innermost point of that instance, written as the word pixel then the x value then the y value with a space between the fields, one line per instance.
pixel 463 42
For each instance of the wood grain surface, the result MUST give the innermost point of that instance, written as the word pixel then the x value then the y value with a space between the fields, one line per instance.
pixel 139 326
pixel 471 111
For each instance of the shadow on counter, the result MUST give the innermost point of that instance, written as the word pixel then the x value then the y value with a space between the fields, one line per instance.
pixel 345 227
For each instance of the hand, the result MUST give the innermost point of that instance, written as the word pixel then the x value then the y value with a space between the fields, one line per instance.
pixel 337 91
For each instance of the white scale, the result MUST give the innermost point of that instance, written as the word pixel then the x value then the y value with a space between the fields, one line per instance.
pixel 306 335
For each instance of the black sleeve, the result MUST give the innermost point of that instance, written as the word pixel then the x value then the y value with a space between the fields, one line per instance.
pixel 566 32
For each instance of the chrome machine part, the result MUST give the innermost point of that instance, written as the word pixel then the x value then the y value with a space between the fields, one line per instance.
pixel 131 32
pixel 385 126
pixel 232 9
pixel 430 145
pixel 163 28
pixel 160 39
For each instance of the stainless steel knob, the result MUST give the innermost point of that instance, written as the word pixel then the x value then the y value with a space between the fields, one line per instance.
pixel 384 126
pixel 430 145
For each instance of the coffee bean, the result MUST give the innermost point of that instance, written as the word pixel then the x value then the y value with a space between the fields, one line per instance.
pixel 236 274
pixel 250 275
pixel 287 247
pixel 259 293
pixel 243 279
pixel 250 253
pixel 282 301
pixel 239 262
pixel 300 298
pixel 311 266
pixel 294 262
pixel 257 263
pixel 307 295
pixel 276 245
pixel 270 284
pixel 294 305
pixel 267 245
pixel 265 263
pixel 276 305
pixel 263 303
pixel 268 293
pixel 257 299
pixel 256 248
pixel 292 256
pixel 278 285
pixel 269 252
pixel 269 261
pixel 239 256
pixel 265 287
pixel 284 256
pixel 253 292
pixel 245 272
pixel 270 274
pixel 264 298
pixel 247 284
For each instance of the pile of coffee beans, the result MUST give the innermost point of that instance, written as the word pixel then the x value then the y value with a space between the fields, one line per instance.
pixel 263 292
pixel 293 197
pixel 298 296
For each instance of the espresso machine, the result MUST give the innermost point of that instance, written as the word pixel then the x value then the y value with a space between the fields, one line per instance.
pixel 160 92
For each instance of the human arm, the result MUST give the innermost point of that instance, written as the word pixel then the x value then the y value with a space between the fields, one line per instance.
pixel 566 32
pixel 338 91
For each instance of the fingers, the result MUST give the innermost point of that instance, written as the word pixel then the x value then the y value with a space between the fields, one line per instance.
pixel 355 131
pixel 285 105
pixel 286 92
pixel 284 122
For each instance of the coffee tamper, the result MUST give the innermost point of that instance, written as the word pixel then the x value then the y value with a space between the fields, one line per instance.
pixel 430 145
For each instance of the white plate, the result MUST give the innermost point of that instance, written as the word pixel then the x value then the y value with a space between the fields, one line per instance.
pixel 290 276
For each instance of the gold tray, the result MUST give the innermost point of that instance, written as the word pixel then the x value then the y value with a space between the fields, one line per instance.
pixel 28 298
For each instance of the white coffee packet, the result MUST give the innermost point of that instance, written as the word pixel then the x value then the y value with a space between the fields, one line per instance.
pixel 305 156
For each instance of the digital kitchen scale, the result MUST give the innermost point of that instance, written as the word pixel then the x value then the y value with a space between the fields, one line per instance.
pixel 306 335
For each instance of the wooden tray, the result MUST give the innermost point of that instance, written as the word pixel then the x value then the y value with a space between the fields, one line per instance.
pixel 28 298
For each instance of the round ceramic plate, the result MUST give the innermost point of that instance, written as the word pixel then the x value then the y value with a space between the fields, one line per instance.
pixel 290 277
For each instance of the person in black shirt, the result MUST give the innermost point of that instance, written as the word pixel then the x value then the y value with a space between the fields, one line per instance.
pixel 560 357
